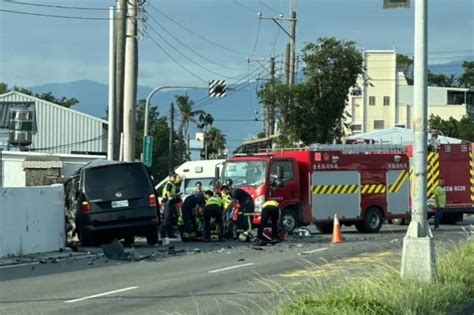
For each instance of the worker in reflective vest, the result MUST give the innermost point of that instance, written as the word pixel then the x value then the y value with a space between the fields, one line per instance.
pixel 212 210
pixel 227 213
pixel 270 210
pixel 170 194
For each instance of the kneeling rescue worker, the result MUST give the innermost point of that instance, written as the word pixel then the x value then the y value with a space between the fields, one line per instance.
pixel 270 210
pixel 212 210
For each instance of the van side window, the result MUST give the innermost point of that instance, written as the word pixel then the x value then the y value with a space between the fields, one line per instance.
pixel 287 169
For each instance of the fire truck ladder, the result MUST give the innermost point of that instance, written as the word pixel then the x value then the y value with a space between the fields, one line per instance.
pixel 360 148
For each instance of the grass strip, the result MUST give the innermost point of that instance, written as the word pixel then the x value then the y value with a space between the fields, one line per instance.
pixel 384 293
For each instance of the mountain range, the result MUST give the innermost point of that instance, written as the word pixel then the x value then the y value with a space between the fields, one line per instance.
pixel 234 114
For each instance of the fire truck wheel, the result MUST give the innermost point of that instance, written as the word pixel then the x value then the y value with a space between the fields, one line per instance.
pixel 325 228
pixel 373 220
pixel 289 220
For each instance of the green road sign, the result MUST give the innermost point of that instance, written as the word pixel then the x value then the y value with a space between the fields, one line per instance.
pixel 148 150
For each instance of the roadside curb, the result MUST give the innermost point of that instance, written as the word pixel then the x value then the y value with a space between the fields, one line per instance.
pixel 43 258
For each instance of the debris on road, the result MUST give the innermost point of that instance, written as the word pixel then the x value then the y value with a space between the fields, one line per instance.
pixel 113 250
pixel 302 233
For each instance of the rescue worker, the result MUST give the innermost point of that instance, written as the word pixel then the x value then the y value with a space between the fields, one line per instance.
pixel 212 210
pixel 227 213
pixel 270 210
pixel 440 200
pixel 188 211
pixel 170 195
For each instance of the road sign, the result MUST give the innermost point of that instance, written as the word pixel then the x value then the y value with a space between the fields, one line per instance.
pixel 148 150
pixel 217 88
pixel 393 4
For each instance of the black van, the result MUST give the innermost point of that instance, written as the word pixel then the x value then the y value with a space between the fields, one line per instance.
pixel 108 199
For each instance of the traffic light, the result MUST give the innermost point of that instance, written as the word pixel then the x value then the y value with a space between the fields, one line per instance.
pixel 217 88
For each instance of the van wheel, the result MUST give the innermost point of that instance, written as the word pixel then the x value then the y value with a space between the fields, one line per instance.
pixel 373 220
pixel 152 236
pixel 325 228
pixel 289 220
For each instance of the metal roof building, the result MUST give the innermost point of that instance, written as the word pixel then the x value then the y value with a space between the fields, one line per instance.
pixel 56 129
pixel 397 135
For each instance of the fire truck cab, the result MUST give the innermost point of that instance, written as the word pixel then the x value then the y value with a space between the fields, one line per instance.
pixel 363 185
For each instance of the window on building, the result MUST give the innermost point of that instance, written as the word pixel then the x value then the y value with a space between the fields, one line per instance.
pixel 372 100
pixel 379 124
pixel 386 101
pixel 356 92
pixel 287 170
pixel 356 127
pixel 470 98
pixel 455 98
pixel 400 125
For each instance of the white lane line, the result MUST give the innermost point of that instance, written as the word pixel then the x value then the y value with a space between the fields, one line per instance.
pixel 231 267
pixel 101 294
pixel 315 250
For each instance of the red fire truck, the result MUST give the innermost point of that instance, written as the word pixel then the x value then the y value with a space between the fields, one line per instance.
pixel 363 184
pixel 455 164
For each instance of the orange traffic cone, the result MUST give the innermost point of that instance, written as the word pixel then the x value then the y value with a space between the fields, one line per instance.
pixel 336 232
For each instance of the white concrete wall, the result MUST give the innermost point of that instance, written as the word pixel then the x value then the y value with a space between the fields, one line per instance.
pixel 13 174
pixel 31 220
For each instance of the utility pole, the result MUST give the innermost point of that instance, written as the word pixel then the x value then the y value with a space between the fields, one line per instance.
pixel 270 115
pixel 292 56
pixel 120 29
pixel 111 133
pixel 418 256
pixel 130 83
pixel 171 140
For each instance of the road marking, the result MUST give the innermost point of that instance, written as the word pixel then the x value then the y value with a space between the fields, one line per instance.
pixel 19 265
pixel 101 294
pixel 231 267
pixel 315 250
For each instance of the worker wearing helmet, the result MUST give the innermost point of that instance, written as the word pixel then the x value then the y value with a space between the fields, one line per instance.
pixel 212 210
pixel 170 195
pixel 270 210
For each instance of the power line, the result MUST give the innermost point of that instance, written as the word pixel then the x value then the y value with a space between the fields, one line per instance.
pixel 196 34
pixel 172 58
pixel 99 138
pixel 55 16
pixel 55 6
pixel 244 6
pixel 191 49
pixel 187 57
pixel 269 7
pixel 256 37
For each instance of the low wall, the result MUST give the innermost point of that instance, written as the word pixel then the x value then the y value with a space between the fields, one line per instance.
pixel 31 220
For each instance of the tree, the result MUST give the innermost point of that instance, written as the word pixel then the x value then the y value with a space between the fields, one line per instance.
pixel 216 143
pixel 441 80
pixel 314 110
pixel 467 78
pixel 185 107
pixel 158 128
pixel 462 129
pixel 48 96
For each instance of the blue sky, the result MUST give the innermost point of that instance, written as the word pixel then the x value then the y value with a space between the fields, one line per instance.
pixel 36 50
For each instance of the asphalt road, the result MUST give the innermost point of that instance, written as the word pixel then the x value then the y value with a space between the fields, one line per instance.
pixel 222 278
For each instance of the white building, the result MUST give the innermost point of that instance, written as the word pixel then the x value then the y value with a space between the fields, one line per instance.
pixel 384 99
pixel 56 129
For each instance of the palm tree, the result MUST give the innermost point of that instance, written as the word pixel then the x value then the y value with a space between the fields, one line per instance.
pixel 216 142
pixel 185 107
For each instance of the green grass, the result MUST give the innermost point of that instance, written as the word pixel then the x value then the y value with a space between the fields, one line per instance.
pixel 385 293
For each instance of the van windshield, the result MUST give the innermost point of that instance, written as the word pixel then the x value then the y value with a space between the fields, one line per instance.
pixel 245 173
pixel 123 178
